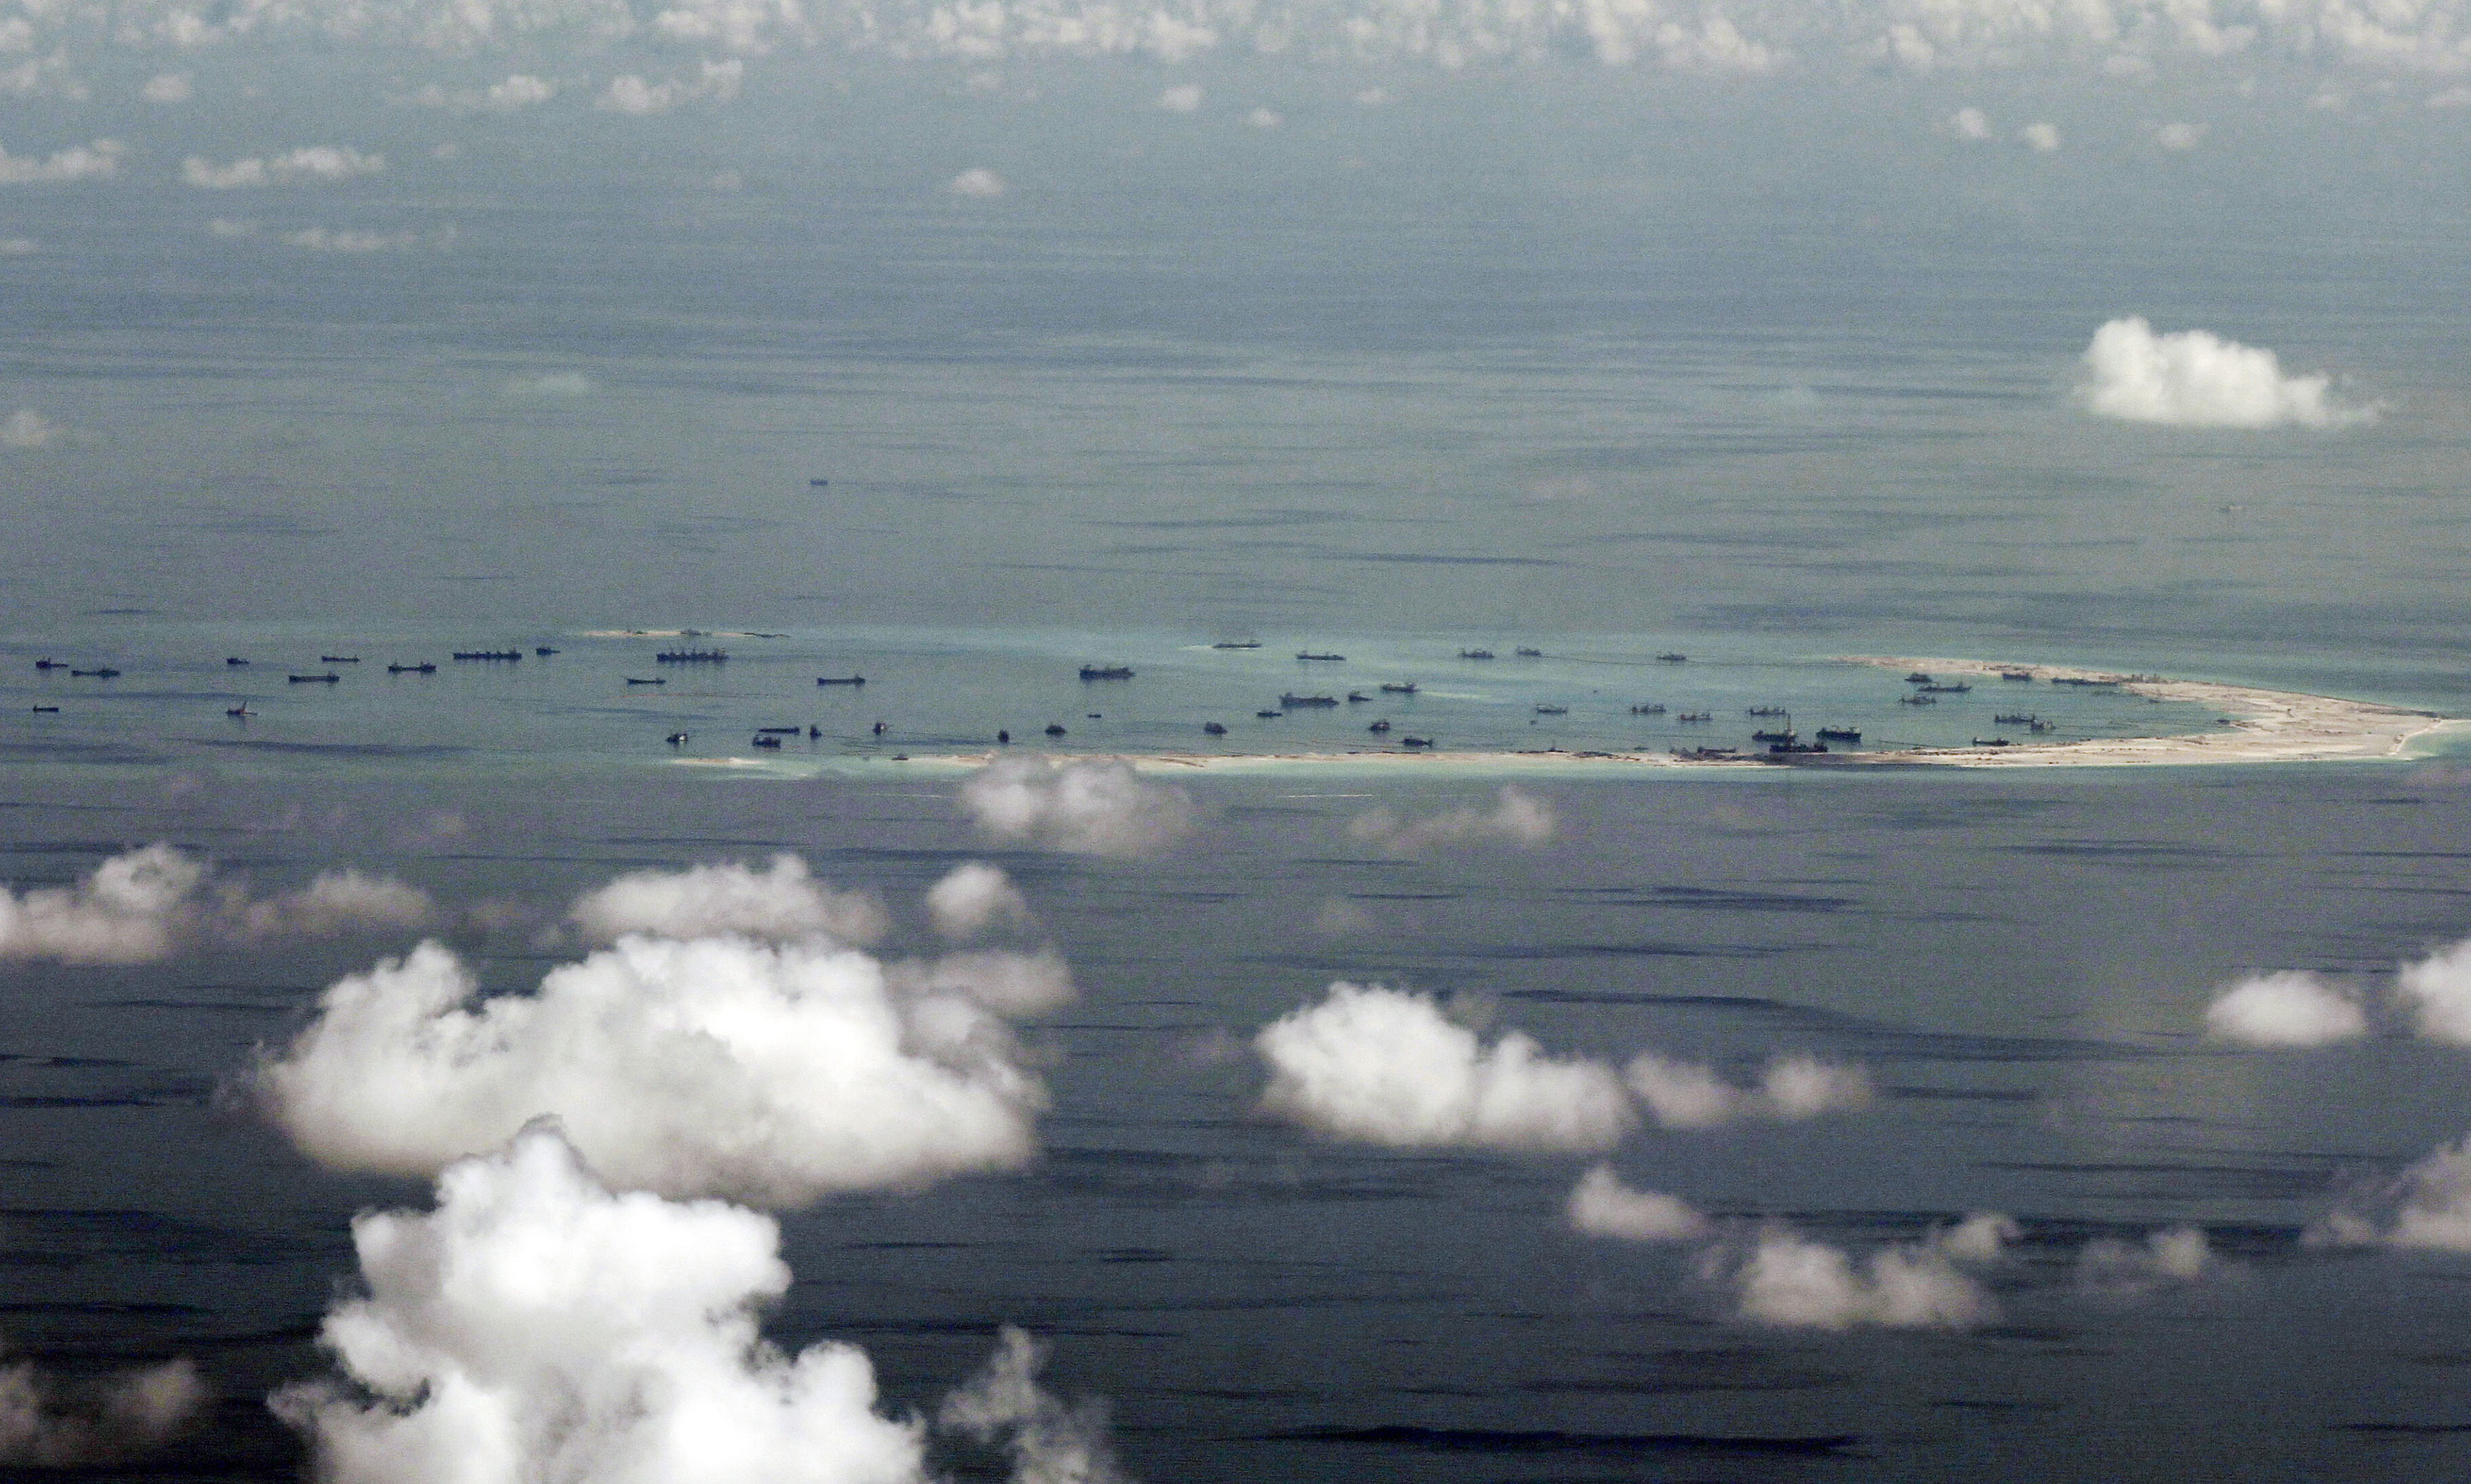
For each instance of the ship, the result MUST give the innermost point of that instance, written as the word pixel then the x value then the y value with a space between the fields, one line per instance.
pixel 544 650
pixel 1991 741
pixel 424 668
pixel 1106 671
pixel 777 731
pixel 1475 654
pixel 1649 708
pixel 2015 718
pixel 488 654
pixel 1399 687
pixel 1696 715
pixel 1357 697
pixel 639 680
pixel 1550 710
pixel 1843 733
pixel 339 659
pixel 1213 728
pixel 1917 700
pixel 2016 675
pixel 1673 658
pixel 2081 680
pixel 1526 653
pixel 1957 688
pixel 56 664
pixel 1308 654
pixel 1918 677
pixel 1237 643
pixel 1790 749
pixel 692 657
pixel 102 673
pixel 676 739
pixel 234 659
pixel 1414 741
pixel 1704 754
pixel 842 679
pixel 328 678
pixel 1291 699
pixel 768 742
pixel 1767 711
pixel 1785 735
pixel 1380 728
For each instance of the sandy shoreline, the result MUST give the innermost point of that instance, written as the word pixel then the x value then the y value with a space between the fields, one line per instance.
pixel 2257 726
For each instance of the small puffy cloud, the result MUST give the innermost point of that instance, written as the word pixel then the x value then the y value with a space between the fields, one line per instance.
pixel 1969 124
pixel 716 1065
pixel 135 1412
pixel 2428 1206
pixel 333 903
pixel 26 428
pixel 1385 1066
pixel 2179 135
pixel 536 1325
pixel 977 183
pixel 550 386
pixel 1517 818
pixel 1600 1205
pixel 518 90
pixel 145 905
pixel 1789 1280
pixel 167 87
pixel 351 240
pixel 972 898
pixel 1007 982
pixel 230 230
pixel 17 247
pixel 44 76
pixel 2437 991
pixel 1686 1095
pixel 1372 98
pixel 719 81
pixel 2286 1010
pixel 1183 98
pixel 780 902
pixel 1096 806
pixel 2196 379
pixel 2173 1254
pixel 1265 118
pixel 1982 1238
pixel 2042 138
pixel 725 181
pixel 317 164
pixel 96 161
pixel 1049 1441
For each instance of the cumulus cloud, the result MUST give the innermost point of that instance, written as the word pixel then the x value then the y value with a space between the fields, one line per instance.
pixel 1600 1205
pixel 1049 1441
pixel 96 161
pixel 134 1413
pixel 44 76
pixel 145 905
pixel 2287 1009
pixel 1787 1279
pixel 1388 1066
pixel 352 240
pixel 1265 118
pixel 1686 1095
pixel 2179 135
pixel 977 183
pixel 972 898
pixel 716 81
pixel 317 164
pixel 535 1326
pixel 1097 807
pixel 550 385
pixel 713 1066
pixel 2438 992
pixel 779 903
pixel 26 428
pixel 2042 138
pixel 517 90
pixel 1969 124
pixel 1183 98
pixel 2173 1254
pixel 2429 1206
pixel 2196 379
pixel 1517 818
pixel 167 87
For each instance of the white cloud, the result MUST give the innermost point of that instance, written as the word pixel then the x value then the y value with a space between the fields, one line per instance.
pixel 518 90
pixel 26 428
pixel 2194 379
pixel 16 34
pixel 1982 1238
pixel 2173 1254
pixel 351 240
pixel 1385 1066
pixel 716 1066
pixel 145 905
pixel 134 1412
pixel 1969 124
pixel 778 903
pixel 974 897
pixel 1265 118
pixel 1049 1442
pixel 2457 97
pixel 44 76
pixel 96 161
pixel 17 247
pixel 1790 1281
pixel 2428 1206
pixel 1600 1205
pixel 317 164
pixel 2042 138
pixel 1373 97
pixel 2286 1010
pixel 1517 818
pixel 2437 989
pixel 977 183
pixel 230 230
pixel 559 384
pixel 2179 135
pixel 1097 807
pixel 718 80
pixel 167 87
pixel 1007 982
pixel 1183 98
pixel 1686 1095
pixel 537 1326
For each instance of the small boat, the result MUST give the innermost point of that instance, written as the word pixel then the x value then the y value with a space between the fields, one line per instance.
pixel 1414 741
pixel 1308 654
pixel 819 484
pixel 1767 711
pixel 544 650
pixel 692 657
pixel 1785 735
pixel 489 655
pixel 1526 653
pixel 1399 687
pixel 1957 689
pixel 1992 741
pixel 1651 709
pixel 234 659
pixel 1357 698
pixel 339 659
pixel 1237 643
pixel 1380 728
pixel 1552 711
pixel 1844 733
pixel 840 680
pixel 107 673
pixel 1673 659
pixel 655 680
pixel 1917 700
pixel 57 665
pixel 1918 677
pixel 241 710
pixel 1003 738
pixel 41 708
pixel 1106 671
pixel 1475 654
pixel 768 742
pixel 778 731
pixel 2026 675
pixel 1213 728
pixel 1292 700
pixel 1696 715
pixel 1055 729
pixel 424 668
pixel 676 739
pixel 1269 716
pixel 2015 718
pixel 328 678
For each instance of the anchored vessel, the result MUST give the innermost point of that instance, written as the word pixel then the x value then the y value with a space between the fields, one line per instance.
pixel 1106 671
pixel 840 680
pixel 488 654
pixel 693 656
